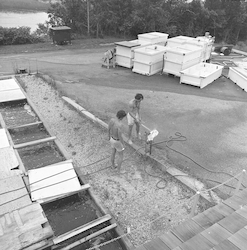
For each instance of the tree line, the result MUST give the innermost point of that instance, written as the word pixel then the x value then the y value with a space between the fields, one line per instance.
pixel 224 19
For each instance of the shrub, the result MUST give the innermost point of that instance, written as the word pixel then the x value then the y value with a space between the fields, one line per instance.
pixel 21 35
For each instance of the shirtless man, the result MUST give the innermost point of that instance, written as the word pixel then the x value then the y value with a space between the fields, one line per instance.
pixel 115 137
pixel 133 116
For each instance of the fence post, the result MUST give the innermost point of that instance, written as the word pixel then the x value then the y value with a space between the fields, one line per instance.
pixel 240 181
pixel 192 213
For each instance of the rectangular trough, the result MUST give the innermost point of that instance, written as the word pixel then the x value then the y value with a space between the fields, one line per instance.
pixel 40 155
pixel 125 52
pixel 182 54
pixel 238 76
pixel 175 68
pixel 29 133
pixel 153 38
pixel 16 113
pixel 201 74
pixel 149 60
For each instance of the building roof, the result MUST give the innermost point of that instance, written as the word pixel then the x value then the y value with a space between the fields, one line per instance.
pixel 61 28
pixel 222 227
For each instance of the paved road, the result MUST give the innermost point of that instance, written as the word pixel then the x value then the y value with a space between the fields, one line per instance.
pixel 213 119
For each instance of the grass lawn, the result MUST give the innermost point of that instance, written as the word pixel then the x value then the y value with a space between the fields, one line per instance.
pixel 48 46
pixel 24 5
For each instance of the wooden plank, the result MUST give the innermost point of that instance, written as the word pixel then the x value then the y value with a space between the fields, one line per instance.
pixel 242 194
pixel 79 242
pixel 187 230
pixel 4 142
pixel 202 220
pixel 10 241
pixel 31 143
pixel 13 194
pixel 170 240
pixel 242 211
pixel 1 229
pixel 8 84
pixel 81 229
pixel 50 199
pixel 216 234
pixel 11 95
pixel 156 244
pixel 38 245
pixel 17 218
pixel 239 239
pixel 226 245
pixel 34 235
pixel 223 209
pixel 32 215
pixel 213 215
pixel 25 125
pixel 140 248
pixel 52 181
pixel 233 222
pixel 197 242
pixel 234 202
pixel 8 162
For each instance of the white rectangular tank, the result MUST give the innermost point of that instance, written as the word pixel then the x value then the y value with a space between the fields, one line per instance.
pixel 201 74
pixel 148 60
pixel 177 41
pixel 238 76
pixel 175 68
pixel 125 52
pixel 153 38
pixel 149 54
pixel 182 54
pixel 147 69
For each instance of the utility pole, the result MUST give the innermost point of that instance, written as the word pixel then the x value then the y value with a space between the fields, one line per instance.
pixel 88 17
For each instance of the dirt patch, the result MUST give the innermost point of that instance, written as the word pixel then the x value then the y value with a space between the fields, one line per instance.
pixel 136 197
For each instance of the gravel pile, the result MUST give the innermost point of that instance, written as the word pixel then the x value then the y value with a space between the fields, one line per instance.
pixel 136 197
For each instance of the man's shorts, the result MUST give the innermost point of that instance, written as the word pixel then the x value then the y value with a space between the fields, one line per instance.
pixel 130 119
pixel 116 144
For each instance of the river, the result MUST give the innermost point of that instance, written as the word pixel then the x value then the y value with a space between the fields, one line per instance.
pixel 18 19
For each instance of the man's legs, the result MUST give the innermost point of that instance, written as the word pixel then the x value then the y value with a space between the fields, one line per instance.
pixel 138 134
pixel 113 154
pixel 120 159
pixel 129 134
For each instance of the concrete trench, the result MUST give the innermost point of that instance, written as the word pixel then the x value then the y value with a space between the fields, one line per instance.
pixel 25 125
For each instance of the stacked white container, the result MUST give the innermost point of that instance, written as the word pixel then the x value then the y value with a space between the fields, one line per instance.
pixel 177 59
pixel 125 52
pixel 154 38
pixel 178 41
pixel 148 60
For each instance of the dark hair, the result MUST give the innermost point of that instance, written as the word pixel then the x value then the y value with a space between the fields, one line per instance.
pixel 121 114
pixel 139 97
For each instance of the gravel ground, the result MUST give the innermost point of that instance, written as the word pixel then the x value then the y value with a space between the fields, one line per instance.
pixel 135 197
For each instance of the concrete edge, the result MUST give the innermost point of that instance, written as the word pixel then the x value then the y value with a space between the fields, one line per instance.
pixel 186 180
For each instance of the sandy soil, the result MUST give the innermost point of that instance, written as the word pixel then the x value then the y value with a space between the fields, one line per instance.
pixel 136 197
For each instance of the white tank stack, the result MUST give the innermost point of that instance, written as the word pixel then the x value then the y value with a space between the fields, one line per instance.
pixel 201 74
pixel 178 41
pixel 177 59
pixel 125 52
pixel 154 38
pixel 149 60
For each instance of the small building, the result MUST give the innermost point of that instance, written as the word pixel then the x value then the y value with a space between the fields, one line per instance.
pixel 61 34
